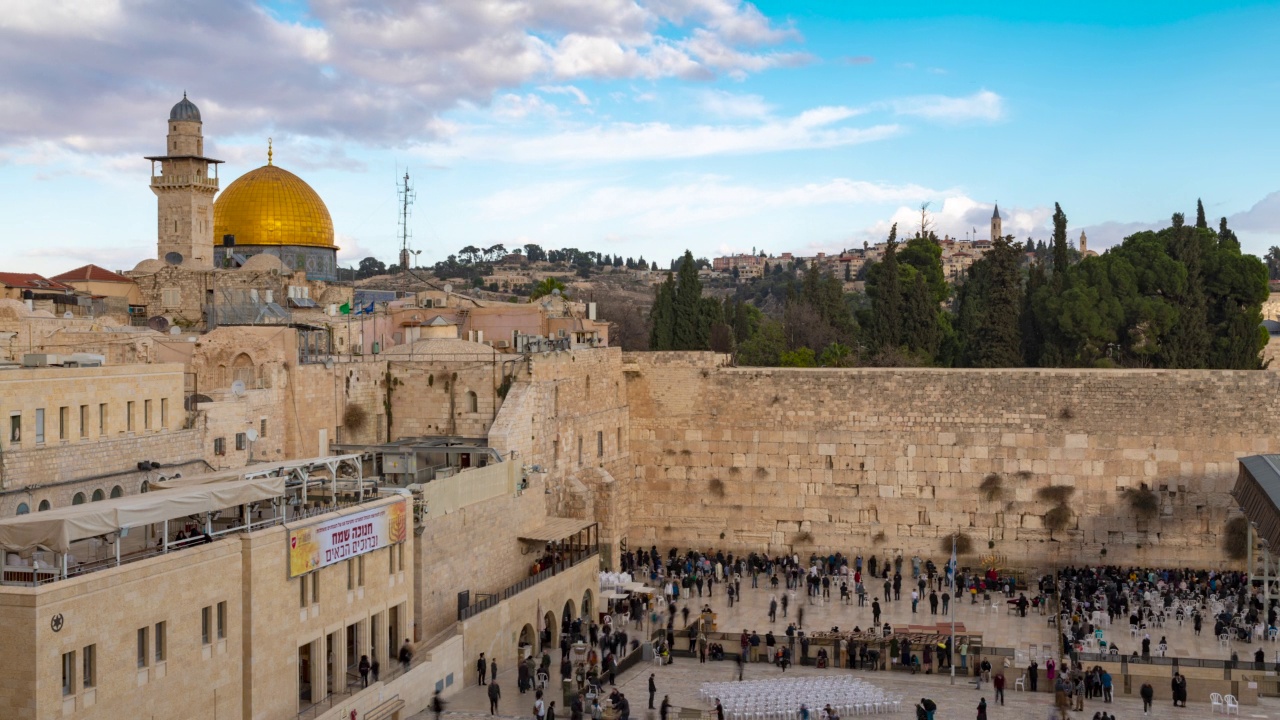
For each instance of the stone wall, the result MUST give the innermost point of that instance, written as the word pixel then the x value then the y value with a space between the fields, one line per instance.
pixel 890 460
pixel 432 397
pixel 567 414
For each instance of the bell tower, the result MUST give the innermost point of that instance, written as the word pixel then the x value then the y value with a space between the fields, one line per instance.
pixel 184 191
pixel 996 227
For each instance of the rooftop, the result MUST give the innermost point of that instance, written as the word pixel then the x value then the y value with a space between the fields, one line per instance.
pixel 90 273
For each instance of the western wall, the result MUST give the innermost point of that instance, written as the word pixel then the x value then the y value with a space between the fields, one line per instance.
pixel 888 461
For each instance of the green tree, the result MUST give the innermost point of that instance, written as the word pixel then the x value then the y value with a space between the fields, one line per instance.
pixel 1201 222
pixel 920 333
pixel 546 286
pixel 1272 257
pixel 988 309
pixel 837 355
pixel 662 316
pixel 690 328
pixel 925 255
pixel 885 290
pixel 765 348
pixel 800 357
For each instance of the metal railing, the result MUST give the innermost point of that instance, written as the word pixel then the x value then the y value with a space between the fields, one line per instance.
pixel 507 593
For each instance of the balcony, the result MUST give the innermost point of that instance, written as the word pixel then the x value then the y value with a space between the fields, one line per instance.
pixel 177 181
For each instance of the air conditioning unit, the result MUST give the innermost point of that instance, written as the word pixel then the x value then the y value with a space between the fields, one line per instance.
pixel 40 360
pixel 84 360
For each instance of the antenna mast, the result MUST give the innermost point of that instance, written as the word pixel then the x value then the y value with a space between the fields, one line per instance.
pixel 407 196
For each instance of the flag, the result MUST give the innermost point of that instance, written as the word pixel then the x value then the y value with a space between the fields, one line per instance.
pixel 345 309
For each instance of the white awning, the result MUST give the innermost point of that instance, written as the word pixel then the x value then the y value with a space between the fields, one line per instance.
pixel 56 529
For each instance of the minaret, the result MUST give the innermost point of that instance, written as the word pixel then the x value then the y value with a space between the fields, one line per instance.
pixel 184 191
pixel 996 233
pixel 1084 244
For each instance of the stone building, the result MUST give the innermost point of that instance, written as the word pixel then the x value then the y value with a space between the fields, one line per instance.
pixel 997 226
pixel 77 435
pixel 184 191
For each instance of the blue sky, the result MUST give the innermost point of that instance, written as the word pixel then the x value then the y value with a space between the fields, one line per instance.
pixel 642 127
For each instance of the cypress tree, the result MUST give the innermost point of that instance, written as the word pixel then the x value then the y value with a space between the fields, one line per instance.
pixel 1227 237
pixel 1201 222
pixel 920 318
pixel 998 341
pixel 1061 254
pixel 663 315
pixel 1032 334
pixel 887 302
pixel 689 331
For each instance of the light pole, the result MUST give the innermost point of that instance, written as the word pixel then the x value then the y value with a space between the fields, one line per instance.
pixel 954 601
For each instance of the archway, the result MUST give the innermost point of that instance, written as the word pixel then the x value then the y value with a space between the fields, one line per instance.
pixel 146 486
pixel 242 369
pixel 117 491
pixel 587 606
pixel 78 499
pixel 23 508
pixel 550 631
pixel 473 402
pixel 99 495
pixel 44 505
pixel 524 647
pixel 567 617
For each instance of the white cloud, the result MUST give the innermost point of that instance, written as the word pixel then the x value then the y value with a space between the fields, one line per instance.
pixel 98 76
pixel 578 95
pixel 510 106
pixel 674 207
pixel 733 106
pixel 959 216
pixel 816 128
pixel 1263 217
pixel 982 105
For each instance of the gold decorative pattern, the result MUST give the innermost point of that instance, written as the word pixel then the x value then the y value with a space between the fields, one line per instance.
pixel 272 206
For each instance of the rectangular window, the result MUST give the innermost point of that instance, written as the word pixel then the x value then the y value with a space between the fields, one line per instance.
pixel 128 416
pixel 400 555
pixel 599 443
pixel 15 428
pixel 618 450
pixel 219 446
pixel 144 646
pixel 164 412
pixel 302 591
pixel 579 449
pixel 40 425
pixel 64 421
pixel 69 673
pixel 84 421
pixel 146 414
pixel 102 418
pixel 206 624
pixel 360 571
pixel 351 574
pixel 391 559
pixel 222 620
pixel 262 428
pixel 90 666
pixel 241 441
pixel 171 297
pixel 315 587
pixel 161 644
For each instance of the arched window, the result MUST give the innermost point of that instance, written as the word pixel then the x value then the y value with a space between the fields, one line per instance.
pixel 98 495
pixel 44 505
pixel 23 508
pixel 146 486
pixel 78 499
pixel 473 402
pixel 242 369
pixel 117 491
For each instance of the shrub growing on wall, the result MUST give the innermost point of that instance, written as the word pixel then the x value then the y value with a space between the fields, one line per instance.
pixel 1144 503
pixel 964 544
pixel 354 418
pixel 992 487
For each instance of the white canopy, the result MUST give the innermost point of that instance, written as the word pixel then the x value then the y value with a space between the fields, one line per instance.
pixel 56 529
pixel 283 467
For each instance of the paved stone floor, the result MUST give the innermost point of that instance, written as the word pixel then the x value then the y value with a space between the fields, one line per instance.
pixel 998 628
pixel 683 679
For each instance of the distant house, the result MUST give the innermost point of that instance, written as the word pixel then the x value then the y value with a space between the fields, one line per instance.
pixel 42 293
pixel 120 295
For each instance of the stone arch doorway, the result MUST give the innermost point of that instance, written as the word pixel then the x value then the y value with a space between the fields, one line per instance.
pixel 242 369
pixel 568 614
pixel 588 607
pixel 524 646
pixel 550 631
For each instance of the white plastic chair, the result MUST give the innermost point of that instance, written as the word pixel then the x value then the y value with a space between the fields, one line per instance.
pixel 1020 683
pixel 1224 639
pixel 1233 705
pixel 1215 703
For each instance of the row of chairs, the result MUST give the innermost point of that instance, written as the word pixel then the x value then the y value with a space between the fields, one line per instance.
pixel 1227 704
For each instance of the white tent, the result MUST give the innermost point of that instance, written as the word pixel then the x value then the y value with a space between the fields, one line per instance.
pixel 56 529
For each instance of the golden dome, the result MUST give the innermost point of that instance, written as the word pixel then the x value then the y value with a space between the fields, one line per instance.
pixel 272 206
